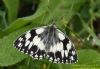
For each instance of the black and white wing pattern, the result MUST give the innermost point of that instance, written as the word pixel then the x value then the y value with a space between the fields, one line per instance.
pixel 30 43
pixel 63 51
pixel 49 42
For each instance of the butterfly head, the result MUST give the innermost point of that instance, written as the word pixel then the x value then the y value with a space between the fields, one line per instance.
pixel 52 27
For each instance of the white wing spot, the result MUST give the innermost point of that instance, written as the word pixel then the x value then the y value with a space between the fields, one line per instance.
pixel 35 58
pixel 55 60
pixel 19 45
pixel 58 59
pixel 73 52
pixel 51 58
pixel 20 39
pixel 59 46
pixel 53 48
pixel 47 55
pixel 27 51
pixel 62 53
pixel 62 62
pixel 31 52
pixel 30 45
pixel 41 46
pixel 61 36
pixel 66 61
pixel 36 55
pixel 72 58
pixel 50 50
pixel 27 42
pixel 66 53
pixel 40 56
pixel 69 46
pixel 23 49
pixel 56 47
pixel 28 35
pixel 40 30
pixel 36 40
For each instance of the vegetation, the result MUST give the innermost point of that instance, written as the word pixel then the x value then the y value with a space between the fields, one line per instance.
pixel 79 19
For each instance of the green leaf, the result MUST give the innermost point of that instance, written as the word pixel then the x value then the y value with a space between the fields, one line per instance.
pixel 8 54
pixel 3 22
pixel 36 64
pixel 90 31
pixel 42 17
pixel 2 33
pixel 97 14
pixel 86 58
pixel 61 11
pixel 20 22
pixel 76 24
pixel 12 7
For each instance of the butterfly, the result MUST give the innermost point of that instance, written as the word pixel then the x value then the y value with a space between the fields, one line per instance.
pixel 47 42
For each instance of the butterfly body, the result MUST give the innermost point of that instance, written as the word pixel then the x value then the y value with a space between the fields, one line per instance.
pixel 49 42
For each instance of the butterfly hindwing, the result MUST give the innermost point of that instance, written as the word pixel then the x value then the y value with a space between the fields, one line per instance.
pixel 30 43
pixel 63 51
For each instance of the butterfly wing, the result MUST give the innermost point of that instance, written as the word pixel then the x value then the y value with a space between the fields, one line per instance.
pixel 30 43
pixel 63 51
pixel 37 43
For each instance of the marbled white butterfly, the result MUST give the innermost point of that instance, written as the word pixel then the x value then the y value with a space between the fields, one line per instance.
pixel 49 42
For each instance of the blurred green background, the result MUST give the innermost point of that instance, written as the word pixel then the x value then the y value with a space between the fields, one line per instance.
pixel 79 19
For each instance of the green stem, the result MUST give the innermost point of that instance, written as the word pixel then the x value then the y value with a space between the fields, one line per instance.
pixel 49 65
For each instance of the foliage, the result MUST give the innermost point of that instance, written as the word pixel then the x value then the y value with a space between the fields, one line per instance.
pixel 75 17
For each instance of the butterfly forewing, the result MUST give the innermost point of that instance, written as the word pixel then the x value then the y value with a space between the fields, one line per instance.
pixel 47 41
pixel 30 43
